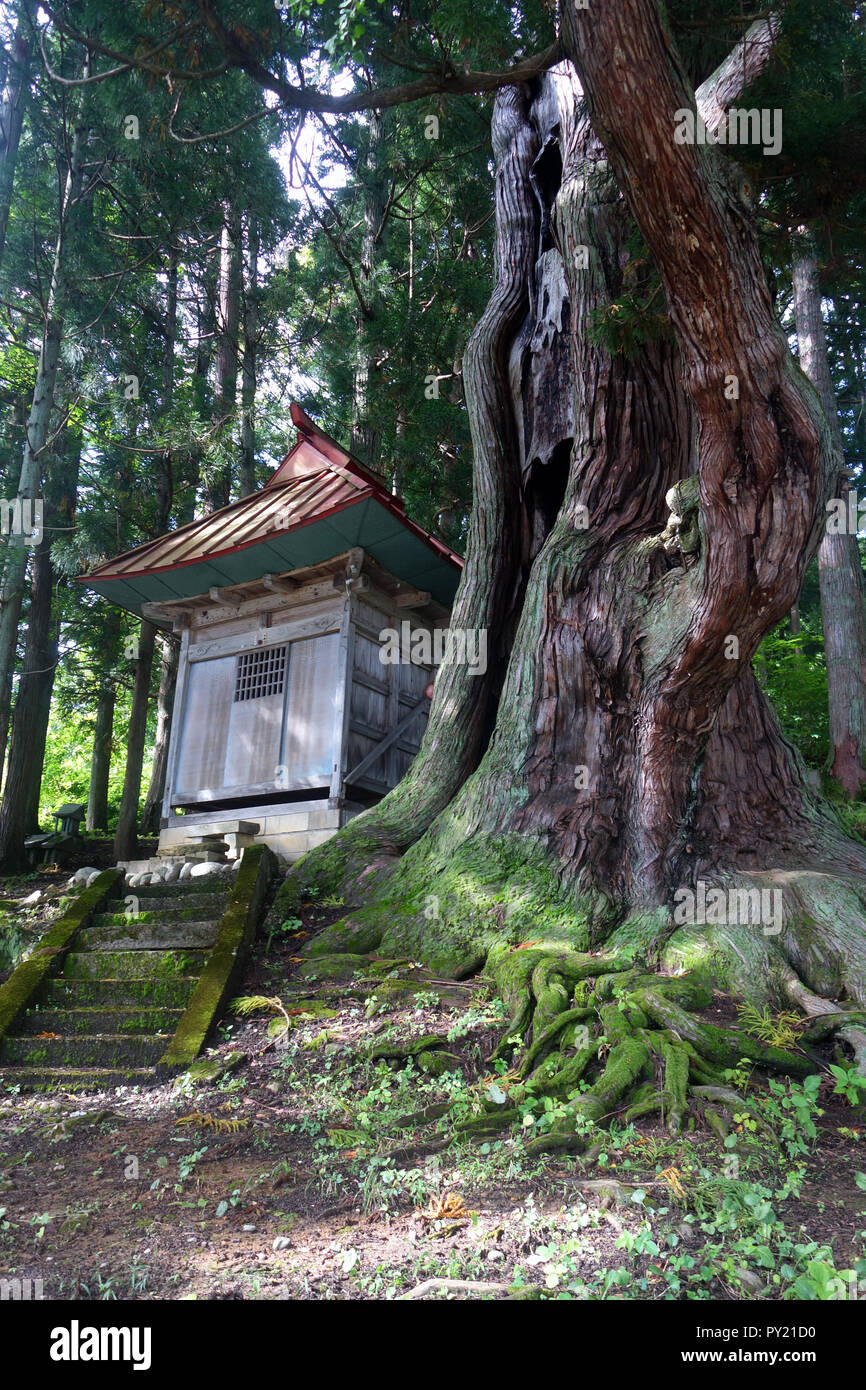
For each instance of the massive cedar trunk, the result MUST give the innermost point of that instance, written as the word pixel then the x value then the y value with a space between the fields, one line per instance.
pixel 637 527
pixel 840 572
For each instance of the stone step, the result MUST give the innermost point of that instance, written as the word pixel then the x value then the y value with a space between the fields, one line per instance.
pixel 84 1050
pixel 92 1021
pixel 77 1078
pixel 158 909
pixel 145 936
pixel 213 876
pixel 206 886
pixel 58 993
pixel 133 965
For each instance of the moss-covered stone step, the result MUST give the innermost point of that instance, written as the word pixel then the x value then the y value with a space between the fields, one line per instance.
pixel 197 888
pixel 194 908
pixel 133 965
pixel 92 1021
pixel 84 1050
pixel 140 936
pixel 77 1078
pixel 81 994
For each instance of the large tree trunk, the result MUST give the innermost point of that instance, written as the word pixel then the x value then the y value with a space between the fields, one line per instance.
pixel 840 572
pixel 640 520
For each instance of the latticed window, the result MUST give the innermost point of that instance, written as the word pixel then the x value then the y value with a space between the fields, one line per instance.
pixel 260 673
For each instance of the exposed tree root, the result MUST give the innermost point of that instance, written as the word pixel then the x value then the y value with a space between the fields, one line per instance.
pixel 615 1032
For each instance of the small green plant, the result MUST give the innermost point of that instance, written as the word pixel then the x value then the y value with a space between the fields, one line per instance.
pixel 187 1162
pixel 849 1083
pixel 426 999
pixel 792 1110
pixel 289 927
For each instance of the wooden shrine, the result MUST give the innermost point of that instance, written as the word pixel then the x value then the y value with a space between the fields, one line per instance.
pixel 286 720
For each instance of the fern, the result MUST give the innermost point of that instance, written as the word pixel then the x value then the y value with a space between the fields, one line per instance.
pixel 262 1003
pixel 214 1122
pixel 256 1003
pixel 778 1031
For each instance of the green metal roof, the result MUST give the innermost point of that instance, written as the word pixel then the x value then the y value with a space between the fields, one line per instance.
pixel 394 542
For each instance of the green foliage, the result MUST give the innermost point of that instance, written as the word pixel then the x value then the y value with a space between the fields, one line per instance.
pixel 792 672
pixel 792 1109
pixel 849 1083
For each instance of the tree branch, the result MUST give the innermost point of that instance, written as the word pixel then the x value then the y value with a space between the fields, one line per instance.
pixel 444 81
pixel 743 65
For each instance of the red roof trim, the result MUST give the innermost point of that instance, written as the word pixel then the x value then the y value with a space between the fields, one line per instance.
pixel 329 449
pixel 341 472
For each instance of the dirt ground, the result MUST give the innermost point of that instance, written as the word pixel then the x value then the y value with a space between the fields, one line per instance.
pixel 290 1177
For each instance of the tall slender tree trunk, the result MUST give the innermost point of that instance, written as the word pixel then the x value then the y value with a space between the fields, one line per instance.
pixel 126 835
pixel 19 812
pixel 248 378
pixel 165 703
pixel 106 659
pixel 100 759
pixel 36 435
pixel 840 572
pixel 366 430
pixel 218 489
pixel 12 116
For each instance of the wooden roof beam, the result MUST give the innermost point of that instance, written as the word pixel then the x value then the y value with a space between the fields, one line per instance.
pixel 226 598
pixel 281 583
pixel 351 576
pixel 412 598
pixel 171 612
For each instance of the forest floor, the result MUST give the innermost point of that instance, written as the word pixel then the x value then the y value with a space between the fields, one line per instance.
pixel 290 1177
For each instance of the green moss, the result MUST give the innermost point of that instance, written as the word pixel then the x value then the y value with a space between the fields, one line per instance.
pixel 24 981
pixel 352 935
pixel 235 934
pixel 71 994
pixel 208 1070
pixel 339 967
pixel 131 965
pixel 339 864
pixel 676 1060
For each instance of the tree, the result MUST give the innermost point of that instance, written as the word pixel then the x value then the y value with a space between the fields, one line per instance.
pixel 650 475
pixel 36 436
pixel 843 598
pixel 633 764
pixel 12 114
